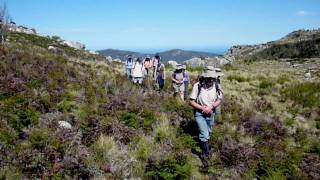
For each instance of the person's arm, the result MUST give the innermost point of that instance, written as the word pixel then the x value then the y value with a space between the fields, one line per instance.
pixel 195 105
pixel 216 103
pixel 173 79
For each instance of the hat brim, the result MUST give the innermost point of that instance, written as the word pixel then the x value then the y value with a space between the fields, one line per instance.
pixel 210 74
pixel 220 74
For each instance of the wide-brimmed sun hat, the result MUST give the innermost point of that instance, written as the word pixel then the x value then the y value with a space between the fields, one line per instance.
pixel 184 67
pixel 209 74
pixel 178 67
pixel 209 68
pixel 219 72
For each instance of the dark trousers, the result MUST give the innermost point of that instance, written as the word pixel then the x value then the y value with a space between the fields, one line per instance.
pixel 160 82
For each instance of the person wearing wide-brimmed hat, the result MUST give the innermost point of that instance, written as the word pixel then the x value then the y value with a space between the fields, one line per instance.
pixel 204 98
pixel 177 81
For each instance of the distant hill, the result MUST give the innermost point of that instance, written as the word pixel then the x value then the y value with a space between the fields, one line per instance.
pixel 119 54
pixel 178 55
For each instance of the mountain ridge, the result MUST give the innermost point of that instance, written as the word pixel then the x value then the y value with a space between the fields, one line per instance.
pixel 176 54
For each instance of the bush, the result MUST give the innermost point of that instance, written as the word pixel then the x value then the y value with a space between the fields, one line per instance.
pixel 149 117
pixel 19 113
pixel 306 94
pixel 169 168
pixel 39 138
pixel 130 119
pixel 7 136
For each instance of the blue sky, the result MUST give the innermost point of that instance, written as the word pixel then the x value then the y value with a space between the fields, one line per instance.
pixel 209 25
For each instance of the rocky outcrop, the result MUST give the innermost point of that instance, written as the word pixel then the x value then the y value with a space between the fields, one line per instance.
pixel 172 63
pixel 74 44
pixel 21 29
pixel 213 61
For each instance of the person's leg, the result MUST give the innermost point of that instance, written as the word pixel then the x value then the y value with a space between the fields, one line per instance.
pixel 181 91
pixel 210 123
pixel 203 127
pixel 140 80
pixel 128 72
pixel 161 83
pixel 204 137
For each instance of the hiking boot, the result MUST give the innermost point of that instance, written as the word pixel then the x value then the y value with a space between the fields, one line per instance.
pixel 205 148
pixel 205 155
pixel 205 163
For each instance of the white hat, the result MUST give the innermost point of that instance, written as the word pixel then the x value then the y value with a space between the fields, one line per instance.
pixel 209 74
pixel 178 67
pixel 209 68
pixel 184 66
pixel 219 72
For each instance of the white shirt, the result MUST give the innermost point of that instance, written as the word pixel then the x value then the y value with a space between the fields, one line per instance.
pixel 206 97
pixel 137 70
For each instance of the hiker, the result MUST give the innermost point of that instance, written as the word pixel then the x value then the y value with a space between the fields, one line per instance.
pixel 178 81
pixel 138 72
pixel 129 66
pixel 147 65
pixel 148 71
pixel 204 98
pixel 160 75
pixel 185 80
pixel 155 62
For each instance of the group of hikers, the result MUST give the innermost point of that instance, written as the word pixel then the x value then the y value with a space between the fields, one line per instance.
pixel 150 70
pixel 205 98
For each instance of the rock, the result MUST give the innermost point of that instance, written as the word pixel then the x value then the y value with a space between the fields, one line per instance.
pixel 74 44
pixel 172 63
pixel 308 75
pixel 64 124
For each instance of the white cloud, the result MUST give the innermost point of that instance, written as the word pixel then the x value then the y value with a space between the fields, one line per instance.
pixel 305 13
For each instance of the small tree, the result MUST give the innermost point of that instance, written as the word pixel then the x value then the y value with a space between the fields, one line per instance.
pixel 4 22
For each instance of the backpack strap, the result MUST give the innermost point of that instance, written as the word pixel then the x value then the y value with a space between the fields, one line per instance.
pixel 216 83
pixel 199 90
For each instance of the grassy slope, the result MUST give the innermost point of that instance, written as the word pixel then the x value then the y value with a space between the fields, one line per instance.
pixel 267 129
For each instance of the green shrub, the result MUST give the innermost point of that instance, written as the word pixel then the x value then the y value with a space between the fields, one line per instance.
pixel 143 148
pixel 39 138
pixel 7 136
pixel 306 94
pixel 149 117
pixel 19 113
pixel 169 168
pixel 130 119
pixel 276 164
pixel 183 109
pixel 184 141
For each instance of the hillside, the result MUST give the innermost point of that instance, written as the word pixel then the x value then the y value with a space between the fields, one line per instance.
pixel 69 116
pixel 174 54
pixel 295 45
